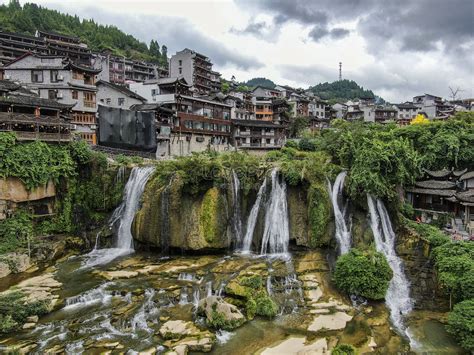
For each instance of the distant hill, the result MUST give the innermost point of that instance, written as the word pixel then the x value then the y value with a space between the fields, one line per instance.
pixel 260 82
pixel 341 90
pixel 31 17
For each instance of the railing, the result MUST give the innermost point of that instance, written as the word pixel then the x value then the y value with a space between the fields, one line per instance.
pixel 42 136
pixel 90 104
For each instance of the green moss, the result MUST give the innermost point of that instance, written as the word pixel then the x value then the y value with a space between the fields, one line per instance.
pixel 319 214
pixel 343 349
pixel 255 282
pixel 209 221
pixel 16 232
pixel 219 321
pixel 251 308
pixel 266 307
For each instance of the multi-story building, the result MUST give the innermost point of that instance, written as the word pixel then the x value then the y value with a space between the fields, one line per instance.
pixel 434 107
pixel 32 117
pixel 14 45
pixel 406 112
pixel 385 114
pixel 261 91
pixel 257 134
pixel 120 70
pixel 119 96
pixel 57 78
pixel 151 89
pixel 196 69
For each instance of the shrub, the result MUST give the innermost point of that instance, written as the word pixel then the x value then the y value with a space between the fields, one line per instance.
pixel 343 349
pixel 407 210
pixel 365 274
pixel 16 232
pixel 266 307
pixel 291 144
pixel 251 308
pixel 254 282
pixel 14 311
pixel 461 324
pixel 306 145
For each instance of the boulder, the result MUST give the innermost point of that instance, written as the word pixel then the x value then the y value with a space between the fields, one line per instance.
pixel 220 314
pixel 176 329
pixel 13 189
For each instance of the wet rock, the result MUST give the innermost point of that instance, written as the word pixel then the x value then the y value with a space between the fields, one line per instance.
pixel 175 329
pixel 298 346
pixel 114 275
pixel 333 321
pixel 220 314
pixel 28 325
pixel 32 319
pixel 4 269
pixel 13 263
pixel 197 344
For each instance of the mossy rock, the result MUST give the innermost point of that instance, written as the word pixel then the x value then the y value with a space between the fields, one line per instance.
pixel 319 215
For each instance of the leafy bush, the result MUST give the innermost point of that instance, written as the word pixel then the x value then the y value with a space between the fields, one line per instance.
pixel 251 308
pixel 455 264
pixel 255 282
pixel 461 324
pixel 14 311
pixel 306 145
pixel 365 274
pixel 433 235
pixel 290 143
pixel 266 307
pixel 407 210
pixel 343 349
pixel 16 232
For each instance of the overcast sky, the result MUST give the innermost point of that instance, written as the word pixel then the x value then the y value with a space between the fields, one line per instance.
pixel 396 48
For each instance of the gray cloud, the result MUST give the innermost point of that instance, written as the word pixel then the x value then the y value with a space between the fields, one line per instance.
pixel 176 33
pixel 413 25
pixel 317 33
pixel 258 29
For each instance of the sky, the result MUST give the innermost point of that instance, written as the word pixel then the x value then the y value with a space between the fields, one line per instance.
pixel 398 49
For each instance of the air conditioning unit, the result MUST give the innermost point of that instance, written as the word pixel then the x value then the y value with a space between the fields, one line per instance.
pixel 60 78
pixel 7 77
pixel 59 95
pixel 74 126
pixel 93 126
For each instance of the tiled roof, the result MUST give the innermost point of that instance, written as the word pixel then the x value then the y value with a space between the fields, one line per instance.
pixel 33 101
pixel 121 89
pixel 435 184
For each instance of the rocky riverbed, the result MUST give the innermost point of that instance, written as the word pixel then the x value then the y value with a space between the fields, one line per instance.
pixel 221 304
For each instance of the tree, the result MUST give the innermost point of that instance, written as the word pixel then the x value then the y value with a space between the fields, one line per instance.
pixel 298 125
pixel 420 119
pixel 461 324
pixel 365 274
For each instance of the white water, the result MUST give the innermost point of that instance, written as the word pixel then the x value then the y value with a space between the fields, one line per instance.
pixel 343 233
pixel 398 294
pixel 123 214
pixel 94 296
pixel 237 220
pixel 252 220
pixel 276 235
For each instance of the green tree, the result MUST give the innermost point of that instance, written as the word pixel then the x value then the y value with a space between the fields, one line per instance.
pixel 461 324
pixel 365 274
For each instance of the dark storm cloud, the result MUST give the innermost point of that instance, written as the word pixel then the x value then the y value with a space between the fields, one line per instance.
pixel 413 25
pixel 258 29
pixel 317 33
pixel 177 33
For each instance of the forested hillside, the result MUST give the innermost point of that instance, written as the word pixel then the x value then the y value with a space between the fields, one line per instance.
pixel 341 90
pixel 260 82
pixel 31 17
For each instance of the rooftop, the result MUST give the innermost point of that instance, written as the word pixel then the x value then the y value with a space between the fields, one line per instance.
pixel 121 89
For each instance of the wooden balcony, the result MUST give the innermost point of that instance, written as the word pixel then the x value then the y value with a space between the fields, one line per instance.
pixel 43 136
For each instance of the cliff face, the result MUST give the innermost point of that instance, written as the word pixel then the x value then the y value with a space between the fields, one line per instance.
pixel 170 217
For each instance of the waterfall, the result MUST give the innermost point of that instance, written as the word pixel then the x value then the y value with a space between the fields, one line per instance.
pixel 398 294
pixel 343 233
pixel 276 235
pixel 123 215
pixel 252 220
pixel 237 219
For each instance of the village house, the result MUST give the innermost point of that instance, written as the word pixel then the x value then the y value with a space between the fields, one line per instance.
pixel 31 117
pixel 196 69
pixel 406 112
pixel 448 193
pixel 119 96
pixel 434 107
pixel 59 79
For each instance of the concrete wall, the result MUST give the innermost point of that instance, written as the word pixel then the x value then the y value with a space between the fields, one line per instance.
pixel 109 97
pixel 180 146
pixel 187 66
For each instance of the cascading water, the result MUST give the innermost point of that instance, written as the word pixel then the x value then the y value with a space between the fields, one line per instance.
pixel 343 233
pixel 398 294
pixel 276 235
pixel 252 220
pixel 123 215
pixel 237 218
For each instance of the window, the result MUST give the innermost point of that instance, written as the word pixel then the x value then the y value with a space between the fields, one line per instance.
pixel 54 76
pixel 52 94
pixel 108 101
pixel 180 62
pixel 121 101
pixel 154 92
pixel 181 70
pixel 89 99
pixel 37 76
pixel 75 95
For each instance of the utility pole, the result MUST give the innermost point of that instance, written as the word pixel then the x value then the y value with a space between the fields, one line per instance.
pixel 340 71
